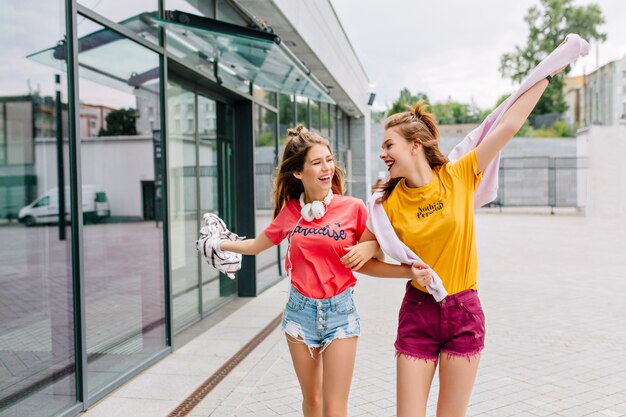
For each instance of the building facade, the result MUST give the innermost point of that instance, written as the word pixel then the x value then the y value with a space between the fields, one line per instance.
pixel 170 109
pixel 605 94
pixel 574 91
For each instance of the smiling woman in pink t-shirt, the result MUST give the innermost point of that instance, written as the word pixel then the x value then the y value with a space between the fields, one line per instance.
pixel 322 225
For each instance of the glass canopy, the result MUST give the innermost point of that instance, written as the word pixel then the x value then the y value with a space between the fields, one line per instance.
pixel 135 71
pixel 238 55
pixel 232 55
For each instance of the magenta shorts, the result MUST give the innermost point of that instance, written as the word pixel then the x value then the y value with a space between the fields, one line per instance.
pixel 426 328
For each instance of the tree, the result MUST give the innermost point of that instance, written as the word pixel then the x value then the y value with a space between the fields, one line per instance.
pixel 120 122
pixel 450 112
pixel 548 25
pixel 453 112
pixel 406 99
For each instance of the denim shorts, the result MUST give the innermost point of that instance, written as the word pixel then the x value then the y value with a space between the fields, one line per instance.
pixel 426 328
pixel 317 322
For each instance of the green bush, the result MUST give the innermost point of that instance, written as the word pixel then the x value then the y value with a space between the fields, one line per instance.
pixel 265 139
pixel 559 130
pixel 563 129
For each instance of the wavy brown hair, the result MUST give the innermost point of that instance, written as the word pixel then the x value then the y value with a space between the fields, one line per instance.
pixel 415 125
pixel 286 185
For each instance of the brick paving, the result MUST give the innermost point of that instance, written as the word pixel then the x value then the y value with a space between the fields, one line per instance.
pixel 552 288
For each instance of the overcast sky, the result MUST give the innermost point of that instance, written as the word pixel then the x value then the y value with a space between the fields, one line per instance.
pixel 452 48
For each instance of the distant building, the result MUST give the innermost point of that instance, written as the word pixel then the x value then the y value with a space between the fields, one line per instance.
pixel 23 118
pixel 574 92
pixel 93 118
pixel 605 94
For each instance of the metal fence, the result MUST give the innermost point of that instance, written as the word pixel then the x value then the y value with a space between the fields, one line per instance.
pixel 541 181
pixel 523 182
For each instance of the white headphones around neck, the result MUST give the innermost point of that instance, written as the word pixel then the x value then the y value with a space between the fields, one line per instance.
pixel 316 209
pixel 309 212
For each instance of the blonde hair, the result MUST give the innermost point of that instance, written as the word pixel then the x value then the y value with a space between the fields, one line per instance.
pixel 286 186
pixel 417 125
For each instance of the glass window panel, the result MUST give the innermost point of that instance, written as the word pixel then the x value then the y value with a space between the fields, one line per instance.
pixel 287 118
pixel 332 123
pixel 214 286
pixel 184 216
pixel 265 156
pixel 325 120
pixel 225 163
pixel 37 363
pixel 315 115
pixel 302 111
pixel 266 96
pixel 123 250
pixel 287 109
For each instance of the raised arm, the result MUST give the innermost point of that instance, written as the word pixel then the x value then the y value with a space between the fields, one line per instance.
pixel 511 123
pixel 248 246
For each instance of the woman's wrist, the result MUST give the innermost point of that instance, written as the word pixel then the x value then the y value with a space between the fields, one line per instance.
pixel 407 271
pixel 549 78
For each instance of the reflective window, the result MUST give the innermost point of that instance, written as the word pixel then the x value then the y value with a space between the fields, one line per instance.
pixel 265 158
pixel 324 120
pixel 266 96
pixel 343 153
pixel 37 363
pixel 184 216
pixel 286 113
pixel 200 161
pixel 332 124
pixel 287 108
pixel 211 169
pixel 302 111
pixel 123 245
pixel 314 123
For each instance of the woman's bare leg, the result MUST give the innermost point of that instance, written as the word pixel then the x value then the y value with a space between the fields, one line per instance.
pixel 414 377
pixel 338 366
pixel 456 381
pixel 309 372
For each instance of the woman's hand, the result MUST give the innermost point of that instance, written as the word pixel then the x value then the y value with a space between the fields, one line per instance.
pixel 422 274
pixel 359 254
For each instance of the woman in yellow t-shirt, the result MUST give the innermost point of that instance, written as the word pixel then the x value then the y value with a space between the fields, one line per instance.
pixel 430 204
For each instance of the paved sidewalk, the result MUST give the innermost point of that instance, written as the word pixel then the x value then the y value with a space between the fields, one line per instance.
pixel 554 292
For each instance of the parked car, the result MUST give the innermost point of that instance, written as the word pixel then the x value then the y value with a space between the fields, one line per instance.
pixel 45 209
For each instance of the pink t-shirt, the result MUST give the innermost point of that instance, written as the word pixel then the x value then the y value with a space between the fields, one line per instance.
pixel 317 246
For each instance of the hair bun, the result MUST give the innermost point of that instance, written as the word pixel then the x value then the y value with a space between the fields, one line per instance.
pixel 296 131
pixel 419 109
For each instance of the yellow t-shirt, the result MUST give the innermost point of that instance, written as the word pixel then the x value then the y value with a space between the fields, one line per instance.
pixel 436 221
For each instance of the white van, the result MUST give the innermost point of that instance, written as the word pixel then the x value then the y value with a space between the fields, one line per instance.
pixel 45 209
